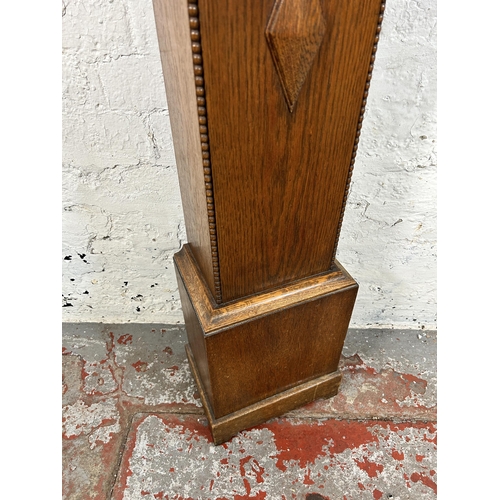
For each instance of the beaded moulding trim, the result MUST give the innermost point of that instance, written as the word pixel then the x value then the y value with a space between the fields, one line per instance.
pixel 194 24
pixel 358 131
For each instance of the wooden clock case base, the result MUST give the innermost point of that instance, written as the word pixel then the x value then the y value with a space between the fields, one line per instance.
pixel 259 357
pixel 266 101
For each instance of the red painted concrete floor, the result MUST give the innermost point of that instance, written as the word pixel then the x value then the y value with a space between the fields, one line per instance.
pixel 133 427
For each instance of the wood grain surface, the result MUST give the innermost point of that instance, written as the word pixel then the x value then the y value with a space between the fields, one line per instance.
pixel 258 347
pixel 214 318
pixel 174 40
pixel 225 427
pixel 279 178
pixel 294 33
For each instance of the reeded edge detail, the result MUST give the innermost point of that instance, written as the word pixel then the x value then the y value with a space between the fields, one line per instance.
pixel 358 132
pixel 194 25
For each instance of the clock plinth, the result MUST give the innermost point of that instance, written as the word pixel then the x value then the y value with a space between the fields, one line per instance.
pixel 261 356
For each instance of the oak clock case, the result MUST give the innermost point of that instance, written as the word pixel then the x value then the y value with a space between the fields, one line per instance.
pixel 266 100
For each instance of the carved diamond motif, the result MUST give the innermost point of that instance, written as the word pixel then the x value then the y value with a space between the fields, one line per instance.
pixel 294 33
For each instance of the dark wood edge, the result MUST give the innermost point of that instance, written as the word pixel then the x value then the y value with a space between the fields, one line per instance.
pixel 199 384
pixel 226 427
pixel 269 28
pixel 215 318
pixel 360 124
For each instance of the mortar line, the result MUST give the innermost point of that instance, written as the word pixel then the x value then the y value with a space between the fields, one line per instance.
pixel 119 459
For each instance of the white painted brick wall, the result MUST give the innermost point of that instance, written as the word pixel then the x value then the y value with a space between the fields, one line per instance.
pixel 122 215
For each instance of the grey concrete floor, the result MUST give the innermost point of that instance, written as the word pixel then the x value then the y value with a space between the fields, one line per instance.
pixel 133 426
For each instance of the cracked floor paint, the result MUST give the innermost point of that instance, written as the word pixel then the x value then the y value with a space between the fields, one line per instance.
pixel 133 426
pixel 172 457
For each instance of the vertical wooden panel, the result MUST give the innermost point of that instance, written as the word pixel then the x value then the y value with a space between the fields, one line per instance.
pixel 260 358
pixel 172 25
pixel 279 177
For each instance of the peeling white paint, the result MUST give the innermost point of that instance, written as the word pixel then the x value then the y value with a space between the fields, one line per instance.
pixel 88 420
pixel 99 379
pixel 121 201
pixel 157 384
pixel 248 465
pixel 152 374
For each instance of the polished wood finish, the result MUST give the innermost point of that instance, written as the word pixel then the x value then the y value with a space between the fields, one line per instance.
pixel 294 33
pixel 225 427
pixel 279 178
pixel 254 348
pixel 266 102
pixel 177 64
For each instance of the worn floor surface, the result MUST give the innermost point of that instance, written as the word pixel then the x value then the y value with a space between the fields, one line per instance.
pixel 133 426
